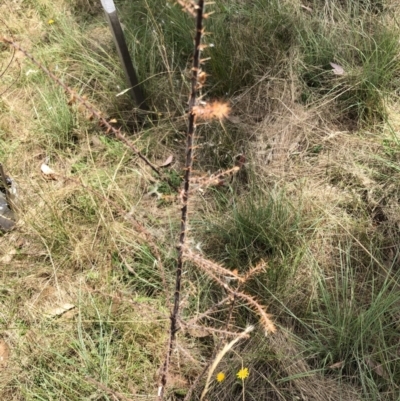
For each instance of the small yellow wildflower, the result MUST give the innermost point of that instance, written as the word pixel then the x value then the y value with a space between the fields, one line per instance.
pixel 243 373
pixel 220 377
pixel 50 21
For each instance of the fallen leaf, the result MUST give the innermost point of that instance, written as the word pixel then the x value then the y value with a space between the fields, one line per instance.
pixel 4 353
pixel 337 365
pixel 168 161
pixel 48 172
pixel 59 310
pixel 46 169
pixel 337 69
pixel 233 119
pixel 376 367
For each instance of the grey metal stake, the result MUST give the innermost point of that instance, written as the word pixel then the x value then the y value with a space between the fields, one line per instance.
pixel 119 38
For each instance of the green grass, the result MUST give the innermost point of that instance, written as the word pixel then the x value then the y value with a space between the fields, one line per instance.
pixel 161 40
pixel 92 344
pixel 236 64
pixel 262 225
pixel 321 212
pixel 367 49
pixel 356 326
pixel 55 119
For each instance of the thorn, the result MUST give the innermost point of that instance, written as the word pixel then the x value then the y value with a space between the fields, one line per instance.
pixel 203 60
pixel 72 99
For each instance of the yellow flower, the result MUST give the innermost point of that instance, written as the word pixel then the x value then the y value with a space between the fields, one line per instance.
pixel 243 373
pixel 50 21
pixel 220 377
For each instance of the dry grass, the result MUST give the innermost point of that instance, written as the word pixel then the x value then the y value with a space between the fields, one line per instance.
pixel 86 275
pixel 69 247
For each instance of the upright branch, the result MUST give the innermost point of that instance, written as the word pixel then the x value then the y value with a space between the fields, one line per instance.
pixel 74 97
pixel 198 11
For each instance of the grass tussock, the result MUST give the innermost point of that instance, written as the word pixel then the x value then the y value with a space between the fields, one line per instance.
pixel 293 216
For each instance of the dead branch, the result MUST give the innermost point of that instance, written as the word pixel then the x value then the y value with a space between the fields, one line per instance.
pixel 199 9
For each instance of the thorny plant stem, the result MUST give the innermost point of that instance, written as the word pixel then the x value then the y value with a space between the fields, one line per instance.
pixel 185 193
pixel 92 110
pixel 264 316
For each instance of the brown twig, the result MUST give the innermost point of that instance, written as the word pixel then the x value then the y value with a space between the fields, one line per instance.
pixel 199 9
pixel 215 179
pixel 9 63
pixel 208 264
pixel 265 318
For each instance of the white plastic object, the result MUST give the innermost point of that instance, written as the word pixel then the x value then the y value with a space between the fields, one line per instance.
pixel 108 6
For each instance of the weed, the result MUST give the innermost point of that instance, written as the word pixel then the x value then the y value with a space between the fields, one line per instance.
pixel 367 51
pixel 260 226
pixel 236 64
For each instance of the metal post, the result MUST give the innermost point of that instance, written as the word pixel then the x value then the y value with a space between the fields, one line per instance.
pixel 119 38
